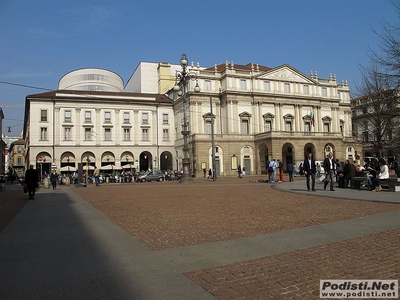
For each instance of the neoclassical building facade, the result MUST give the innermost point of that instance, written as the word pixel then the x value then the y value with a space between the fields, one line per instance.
pixel 259 114
pixel 262 114
pixel 95 125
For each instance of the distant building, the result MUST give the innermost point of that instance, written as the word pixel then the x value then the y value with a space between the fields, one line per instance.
pixel 376 124
pixel 16 161
pixel 97 126
pixel 260 113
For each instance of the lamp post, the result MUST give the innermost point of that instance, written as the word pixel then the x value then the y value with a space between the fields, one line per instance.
pixel 182 79
pixel 68 166
pixel 44 163
pixel 87 170
pixel 124 171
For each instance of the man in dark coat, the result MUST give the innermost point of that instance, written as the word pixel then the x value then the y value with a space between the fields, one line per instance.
pixel 290 169
pixel 31 181
pixel 349 172
pixel 309 171
pixel 330 168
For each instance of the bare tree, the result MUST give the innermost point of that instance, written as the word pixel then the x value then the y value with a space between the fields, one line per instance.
pixel 376 110
pixel 388 57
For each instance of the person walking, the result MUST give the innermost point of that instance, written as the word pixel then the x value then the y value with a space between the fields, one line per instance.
pixel 310 170
pixel 53 179
pixel 330 168
pixel 280 166
pixel 209 174
pixel 273 166
pixel 349 171
pixel 290 169
pixel 31 181
pixel 239 170
pixel 96 175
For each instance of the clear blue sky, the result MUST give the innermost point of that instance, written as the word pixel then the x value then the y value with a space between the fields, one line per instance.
pixel 42 40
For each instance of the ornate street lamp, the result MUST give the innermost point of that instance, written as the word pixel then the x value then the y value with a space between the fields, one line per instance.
pixel 182 79
pixel 87 170
pixel 68 165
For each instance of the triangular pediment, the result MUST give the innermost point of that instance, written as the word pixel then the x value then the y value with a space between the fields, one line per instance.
pixel 286 73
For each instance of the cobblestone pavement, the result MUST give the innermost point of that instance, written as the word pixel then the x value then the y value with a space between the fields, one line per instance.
pixel 169 215
pixel 177 222
pixel 166 214
pixel 296 275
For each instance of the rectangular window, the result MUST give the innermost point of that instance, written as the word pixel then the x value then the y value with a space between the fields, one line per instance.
pixel 19 161
pixel 208 126
pixel 339 95
pixel 165 118
pixel 324 92
pixel 245 126
pixel 126 117
pixel 67 116
pixel 43 133
pixel 88 116
pixel 288 126
pixel 145 118
pixel 242 84
pixel 365 137
pixel 207 85
pixel 127 134
pixel 307 127
pixel 287 88
pixel 107 134
pixel 67 134
pixel 43 115
pixel 267 86
pixel 107 117
pixel 268 126
pixel 88 134
pixel 165 135
pixel 145 134
pixel 306 90
pixel 326 127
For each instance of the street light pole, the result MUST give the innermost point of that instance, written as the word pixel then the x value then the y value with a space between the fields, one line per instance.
pixel 87 170
pixel 182 79
pixel 212 143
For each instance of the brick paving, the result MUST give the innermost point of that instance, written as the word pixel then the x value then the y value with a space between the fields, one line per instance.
pixel 167 214
pixel 296 275
pixel 12 200
pixel 171 215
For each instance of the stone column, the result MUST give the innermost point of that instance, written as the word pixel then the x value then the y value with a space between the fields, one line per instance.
pixel 78 127
pixel 117 128
pixel 98 129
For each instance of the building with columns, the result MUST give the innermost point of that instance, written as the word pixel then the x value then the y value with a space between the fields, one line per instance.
pixel 259 114
pixel 95 125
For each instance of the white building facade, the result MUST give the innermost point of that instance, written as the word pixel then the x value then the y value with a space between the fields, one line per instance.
pixel 110 130
pixel 260 114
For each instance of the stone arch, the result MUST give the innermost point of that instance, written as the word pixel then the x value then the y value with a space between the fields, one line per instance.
pixel 288 155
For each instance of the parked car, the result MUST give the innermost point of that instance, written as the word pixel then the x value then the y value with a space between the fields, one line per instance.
pixel 2 179
pixel 151 176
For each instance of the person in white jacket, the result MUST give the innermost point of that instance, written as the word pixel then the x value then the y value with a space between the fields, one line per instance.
pixel 383 175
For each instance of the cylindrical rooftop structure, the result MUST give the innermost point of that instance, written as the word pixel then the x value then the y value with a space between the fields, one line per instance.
pixel 91 79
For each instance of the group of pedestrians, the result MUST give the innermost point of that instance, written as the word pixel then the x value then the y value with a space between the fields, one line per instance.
pixel 310 170
pixel 375 172
pixel 275 171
